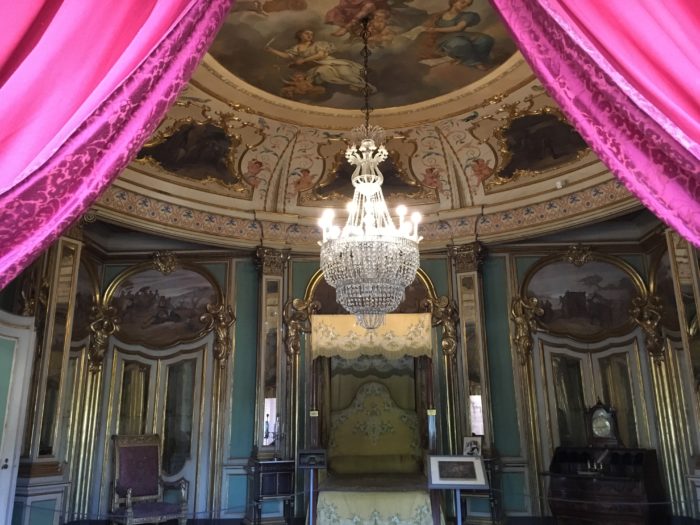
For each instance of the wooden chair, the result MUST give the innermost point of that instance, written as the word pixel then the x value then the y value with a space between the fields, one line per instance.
pixel 138 487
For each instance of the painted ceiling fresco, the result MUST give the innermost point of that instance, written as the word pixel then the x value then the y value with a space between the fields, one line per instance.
pixel 310 51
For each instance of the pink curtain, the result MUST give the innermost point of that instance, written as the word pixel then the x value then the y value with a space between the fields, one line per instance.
pixel 82 86
pixel 627 74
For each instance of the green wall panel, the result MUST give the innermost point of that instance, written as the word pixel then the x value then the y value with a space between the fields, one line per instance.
pixel 302 271
pixel 110 272
pixel 7 354
pixel 636 262
pixel 503 403
pixel 42 512
pixel 437 271
pixel 245 359
pixel 218 270
pixel 522 266
pixel 514 495
pixel 237 494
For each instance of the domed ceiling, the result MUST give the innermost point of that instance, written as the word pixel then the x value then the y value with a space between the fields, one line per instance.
pixel 253 150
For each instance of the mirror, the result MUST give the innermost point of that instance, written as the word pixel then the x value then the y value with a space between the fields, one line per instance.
pixel 268 413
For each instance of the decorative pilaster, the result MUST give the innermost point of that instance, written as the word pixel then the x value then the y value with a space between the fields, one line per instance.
pixel 467 257
pixel 270 261
pixel 219 318
pixel 523 312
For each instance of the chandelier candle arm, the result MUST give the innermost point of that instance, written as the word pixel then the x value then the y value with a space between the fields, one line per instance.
pixel 370 261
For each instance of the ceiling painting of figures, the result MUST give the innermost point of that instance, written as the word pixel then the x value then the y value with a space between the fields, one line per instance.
pixel 309 52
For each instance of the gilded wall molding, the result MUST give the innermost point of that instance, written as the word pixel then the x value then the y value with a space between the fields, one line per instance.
pixel 270 261
pixel 578 254
pixel 165 262
pixel 467 257
pixel 444 314
pixel 523 312
pixel 646 313
pixel 105 322
pixel 219 318
pixel 297 314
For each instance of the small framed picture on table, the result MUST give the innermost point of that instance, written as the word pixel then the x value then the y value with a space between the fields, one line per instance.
pixel 472 446
pixel 457 472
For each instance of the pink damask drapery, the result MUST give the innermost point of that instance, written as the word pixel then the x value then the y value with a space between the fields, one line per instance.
pixel 82 86
pixel 627 75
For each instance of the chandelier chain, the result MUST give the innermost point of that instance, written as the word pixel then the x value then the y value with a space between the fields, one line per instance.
pixel 366 91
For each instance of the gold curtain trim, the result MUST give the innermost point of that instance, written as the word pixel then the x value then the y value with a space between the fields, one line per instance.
pixel 401 334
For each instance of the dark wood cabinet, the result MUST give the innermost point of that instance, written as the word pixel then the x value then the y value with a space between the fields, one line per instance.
pixel 271 480
pixel 620 486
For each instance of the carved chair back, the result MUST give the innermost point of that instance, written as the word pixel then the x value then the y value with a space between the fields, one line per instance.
pixel 137 466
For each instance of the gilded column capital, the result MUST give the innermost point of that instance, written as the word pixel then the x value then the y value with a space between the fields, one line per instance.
pixel 467 257
pixel 105 322
pixel 646 312
pixel 219 318
pixel 297 314
pixel 165 262
pixel 270 261
pixel 444 313
pixel 523 313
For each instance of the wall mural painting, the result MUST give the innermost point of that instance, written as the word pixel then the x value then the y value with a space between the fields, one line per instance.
pixel 197 151
pixel 310 51
pixel 588 301
pixel 159 310
pixel 535 143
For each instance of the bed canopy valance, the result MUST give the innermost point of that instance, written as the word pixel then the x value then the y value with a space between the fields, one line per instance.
pixel 400 335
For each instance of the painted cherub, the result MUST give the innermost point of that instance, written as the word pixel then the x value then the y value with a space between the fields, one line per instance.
pixel 299 86
pixel 481 170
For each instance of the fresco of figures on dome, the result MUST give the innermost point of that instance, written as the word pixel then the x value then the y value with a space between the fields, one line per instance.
pixel 310 51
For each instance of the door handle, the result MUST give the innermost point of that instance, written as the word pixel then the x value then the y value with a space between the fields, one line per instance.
pixel 5 465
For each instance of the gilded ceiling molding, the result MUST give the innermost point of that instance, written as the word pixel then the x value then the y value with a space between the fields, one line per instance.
pixel 165 262
pixel 578 254
pixel 646 312
pixel 297 314
pixel 219 318
pixel 444 313
pixel 105 322
pixel 523 312
pixel 467 257
pixel 270 261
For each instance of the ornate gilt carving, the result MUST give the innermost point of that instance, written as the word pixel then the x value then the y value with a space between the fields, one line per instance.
pixel 270 261
pixel 523 312
pixel 296 316
pixel 444 314
pixel 646 312
pixel 578 254
pixel 105 322
pixel 467 257
pixel 219 317
pixel 165 262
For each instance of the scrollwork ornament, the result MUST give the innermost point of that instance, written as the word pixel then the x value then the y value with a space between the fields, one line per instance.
pixel 444 313
pixel 105 322
pixel 646 312
pixel 467 257
pixel 578 255
pixel 219 318
pixel 297 313
pixel 524 312
pixel 165 262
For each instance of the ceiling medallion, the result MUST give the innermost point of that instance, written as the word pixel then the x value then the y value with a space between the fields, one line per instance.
pixel 370 262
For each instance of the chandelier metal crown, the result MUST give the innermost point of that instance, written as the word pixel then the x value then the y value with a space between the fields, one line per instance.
pixel 370 262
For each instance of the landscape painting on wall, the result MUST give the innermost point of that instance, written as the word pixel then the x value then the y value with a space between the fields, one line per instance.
pixel 159 310
pixel 588 301
pixel 310 51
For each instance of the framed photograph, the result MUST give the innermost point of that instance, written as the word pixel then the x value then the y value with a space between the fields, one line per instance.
pixel 472 446
pixel 457 472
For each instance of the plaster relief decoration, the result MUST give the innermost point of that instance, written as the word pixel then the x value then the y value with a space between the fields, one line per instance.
pixel 308 51
pixel 590 301
pixel 159 310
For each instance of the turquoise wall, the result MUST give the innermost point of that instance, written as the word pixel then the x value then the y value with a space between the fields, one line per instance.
pixel 438 272
pixel 7 355
pixel 503 402
pixel 244 359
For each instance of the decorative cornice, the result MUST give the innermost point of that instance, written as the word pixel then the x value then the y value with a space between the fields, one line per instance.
pixel 270 261
pixel 297 314
pixel 467 257
pixel 444 313
pixel 646 312
pixel 165 262
pixel 105 322
pixel 219 318
pixel 523 312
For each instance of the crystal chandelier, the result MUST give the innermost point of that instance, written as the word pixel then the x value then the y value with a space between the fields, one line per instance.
pixel 370 262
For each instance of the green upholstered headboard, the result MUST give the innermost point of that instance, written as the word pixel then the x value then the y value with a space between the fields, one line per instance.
pixel 373 435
